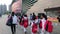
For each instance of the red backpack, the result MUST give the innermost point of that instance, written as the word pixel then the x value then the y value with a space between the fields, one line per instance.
pixel 49 26
pixel 34 28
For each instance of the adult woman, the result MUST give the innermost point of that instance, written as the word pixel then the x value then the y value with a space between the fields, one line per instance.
pixel 14 21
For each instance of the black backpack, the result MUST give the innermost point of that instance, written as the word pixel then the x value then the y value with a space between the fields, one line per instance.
pixel 9 21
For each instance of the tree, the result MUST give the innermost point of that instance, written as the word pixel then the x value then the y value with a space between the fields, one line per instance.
pixel 13 1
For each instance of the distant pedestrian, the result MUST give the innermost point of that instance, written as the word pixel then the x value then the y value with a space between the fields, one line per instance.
pixel 34 16
pixel 58 18
pixel 31 16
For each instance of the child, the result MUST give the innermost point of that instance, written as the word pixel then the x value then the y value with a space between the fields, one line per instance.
pixel 25 22
pixel 34 28
pixel 49 27
pixel 30 19
pixel 42 23
pixel 34 25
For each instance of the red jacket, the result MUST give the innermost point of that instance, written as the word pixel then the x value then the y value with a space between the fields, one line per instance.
pixel 34 28
pixel 48 26
pixel 25 21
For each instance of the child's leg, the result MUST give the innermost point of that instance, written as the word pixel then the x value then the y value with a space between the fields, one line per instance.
pixel 42 32
pixel 32 33
pixel 47 32
pixel 24 29
pixel 39 30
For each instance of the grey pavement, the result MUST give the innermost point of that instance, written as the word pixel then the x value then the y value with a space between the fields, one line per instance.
pixel 6 30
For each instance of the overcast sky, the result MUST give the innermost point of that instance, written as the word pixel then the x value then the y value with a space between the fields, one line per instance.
pixel 7 2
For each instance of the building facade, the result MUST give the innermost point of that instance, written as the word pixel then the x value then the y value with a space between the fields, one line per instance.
pixel 40 5
pixel 3 9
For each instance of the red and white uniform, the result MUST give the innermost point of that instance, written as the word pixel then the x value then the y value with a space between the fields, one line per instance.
pixel 35 26
pixel 49 27
pixel 25 23
pixel 45 25
pixel 25 20
pixel 42 25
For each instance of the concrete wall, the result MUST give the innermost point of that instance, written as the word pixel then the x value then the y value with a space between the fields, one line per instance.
pixel 39 6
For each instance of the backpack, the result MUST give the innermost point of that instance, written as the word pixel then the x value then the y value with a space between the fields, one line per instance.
pixel 9 21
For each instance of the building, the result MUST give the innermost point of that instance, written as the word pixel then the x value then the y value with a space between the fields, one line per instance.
pixel 40 5
pixel 27 4
pixel 3 9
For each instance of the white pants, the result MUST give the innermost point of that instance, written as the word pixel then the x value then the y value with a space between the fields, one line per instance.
pixel 42 32
pixel 25 30
pixel 22 27
pixel 47 32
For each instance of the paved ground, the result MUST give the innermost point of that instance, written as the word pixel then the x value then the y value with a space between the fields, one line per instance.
pixel 6 30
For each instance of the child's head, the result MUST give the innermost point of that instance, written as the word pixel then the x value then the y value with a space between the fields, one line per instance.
pixel 33 13
pixel 30 14
pixel 25 15
pixel 12 13
pixel 43 16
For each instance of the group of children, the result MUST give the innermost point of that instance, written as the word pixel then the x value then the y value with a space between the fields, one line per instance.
pixel 38 24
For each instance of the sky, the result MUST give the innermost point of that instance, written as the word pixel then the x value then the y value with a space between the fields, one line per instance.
pixel 7 2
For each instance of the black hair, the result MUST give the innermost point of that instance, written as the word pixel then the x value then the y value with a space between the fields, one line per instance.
pixel 30 14
pixel 45 16
pixel 25 15
pixel 59 15
pixel 12 13
pixel 34 16
pixel 33 13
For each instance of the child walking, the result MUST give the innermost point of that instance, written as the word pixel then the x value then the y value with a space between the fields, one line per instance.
pixel 25 23
pixel 42 23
